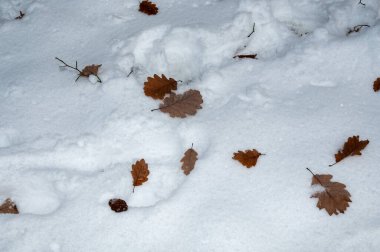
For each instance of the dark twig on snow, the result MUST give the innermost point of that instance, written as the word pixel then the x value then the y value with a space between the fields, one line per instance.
pixel 253 30
pixel 360 2
pixel 130 72
pixel 356 29
pixel 80 73
pixel 20 16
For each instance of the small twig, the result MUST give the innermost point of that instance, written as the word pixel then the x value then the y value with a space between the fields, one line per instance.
pixel 253 30
pixel 356 28
pixel 20 16
pixel 133 190
pixel 130 72
pixel 360 2
pixel 80 73
pixel 315 176
pixel 66 65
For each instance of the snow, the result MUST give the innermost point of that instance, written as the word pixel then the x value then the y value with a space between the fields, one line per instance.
pixel 66 147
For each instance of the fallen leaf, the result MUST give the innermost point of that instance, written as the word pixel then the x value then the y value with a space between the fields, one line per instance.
pixel 188 160
pixel 118 205
pixel 376 85
pixel 335 198
pixel 351 148
pixel 148 8
pixel 90 70
pixel 249 56
pixel 8 207
pixel 157 87
pixel 247 158
pixel 139 173
pixel 182 105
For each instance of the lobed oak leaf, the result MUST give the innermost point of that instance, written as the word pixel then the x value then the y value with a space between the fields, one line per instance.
pixel 139 173
pixel 335 198
pixel 157 87
pixel 90 70
pixel 376 85
pixel 189 159
pixel 247 158
pixel 248 56
pixel 182 105
pixel 8 207
pixel 148 8
pixel 351 147
pixel 118 205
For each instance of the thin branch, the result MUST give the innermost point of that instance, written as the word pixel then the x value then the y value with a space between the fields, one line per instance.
pixel 130 72
pixel 66 65
pixel 360 2
pixel 356 28
pixel 253 30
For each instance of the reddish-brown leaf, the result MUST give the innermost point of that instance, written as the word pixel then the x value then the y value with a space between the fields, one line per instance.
pixel 249 56
pixel 335 198
pixel 182 105
pixel 90 70
pixel 118 205
pixel 157 87
pixel 139 173
pixel 376 85
pixel 351 148
pixel 188 161
pixel 247 158
pixel 148 7
pixel 8 207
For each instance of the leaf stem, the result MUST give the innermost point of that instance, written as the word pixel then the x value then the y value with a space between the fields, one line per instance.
pixel 253 30
pixel 319 181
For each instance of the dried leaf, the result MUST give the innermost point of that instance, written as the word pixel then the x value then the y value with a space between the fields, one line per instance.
pixel 8 207
pixel 139 173
pixel 157 87
pixel 182 105
pixel 118 205
pixel 351 148
pixel 189 160
pixel 247 158
pixel 335 198
pixel 376 85
pixel 148 8
pixel 249 56
pixel 90 70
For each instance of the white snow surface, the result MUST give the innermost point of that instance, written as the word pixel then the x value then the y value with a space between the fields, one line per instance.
pixel 67 147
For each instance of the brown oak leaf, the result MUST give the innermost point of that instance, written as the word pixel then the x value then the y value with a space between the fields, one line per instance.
pixel 118 205
pixel 139 173
pixel 335 198
pixel 248 56
pixel 90 70
pixel 157 87
pixel 247 158
pixel 8 207
pixel 182 105
pixel 188 160
pixel 351 148
pixel 148 8
pixel 376 85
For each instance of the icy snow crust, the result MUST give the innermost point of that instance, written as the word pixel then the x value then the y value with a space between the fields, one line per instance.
pixel 66 148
